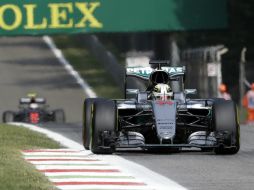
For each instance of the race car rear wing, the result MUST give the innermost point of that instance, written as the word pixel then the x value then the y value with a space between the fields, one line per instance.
pixel 145 72
pixel 23 101
pixel 159 63
pixel 147 77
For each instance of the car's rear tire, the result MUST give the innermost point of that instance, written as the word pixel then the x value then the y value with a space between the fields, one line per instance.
pixel 8 116
pixel 87 112
pixel 59 116
pixel 104 118
pixel 226 124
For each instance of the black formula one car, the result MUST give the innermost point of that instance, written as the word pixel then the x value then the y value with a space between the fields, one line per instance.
pixel 161 117
pixel 34 110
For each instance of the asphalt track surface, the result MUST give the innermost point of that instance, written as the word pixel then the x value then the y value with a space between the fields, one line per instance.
pixel 26 64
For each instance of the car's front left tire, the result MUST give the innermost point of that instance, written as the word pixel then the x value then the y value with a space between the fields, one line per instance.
pixel 87 122
pixel 59 116
pixel 104 122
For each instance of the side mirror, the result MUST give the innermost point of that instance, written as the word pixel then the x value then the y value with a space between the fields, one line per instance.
pixel 142 97
pixel 176 76
pixel 132 91
pixel 190 91
pixel 45 106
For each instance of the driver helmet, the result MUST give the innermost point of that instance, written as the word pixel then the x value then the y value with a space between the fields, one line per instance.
pixel 162 92
pixel 33 106
pixel 32 97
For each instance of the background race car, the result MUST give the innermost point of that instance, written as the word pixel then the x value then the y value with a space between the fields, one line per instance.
pixel 34 110
pixel 161 117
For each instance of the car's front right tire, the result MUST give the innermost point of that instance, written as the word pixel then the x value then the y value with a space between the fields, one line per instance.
pixel 226 126
pixel 8 116
pixel 59 116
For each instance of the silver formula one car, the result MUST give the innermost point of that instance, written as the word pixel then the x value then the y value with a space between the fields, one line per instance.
pixel 160 117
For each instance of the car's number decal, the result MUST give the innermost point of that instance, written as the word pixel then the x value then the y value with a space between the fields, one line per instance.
pixel 34 117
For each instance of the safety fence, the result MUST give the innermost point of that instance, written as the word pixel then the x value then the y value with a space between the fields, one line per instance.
pixel 203 69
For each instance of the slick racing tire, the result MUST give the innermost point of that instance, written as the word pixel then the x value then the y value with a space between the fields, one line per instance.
pixel 59 116
pixel 88 103
pixel 8 116
pixel 104 120
pixel 226 126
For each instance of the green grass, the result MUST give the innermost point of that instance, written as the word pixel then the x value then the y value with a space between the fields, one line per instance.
pixel 87 66
pixel 15 172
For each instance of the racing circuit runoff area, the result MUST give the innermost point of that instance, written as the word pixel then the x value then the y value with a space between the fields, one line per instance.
pixel 28 64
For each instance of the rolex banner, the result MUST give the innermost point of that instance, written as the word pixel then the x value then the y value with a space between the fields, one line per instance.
pixel 37 17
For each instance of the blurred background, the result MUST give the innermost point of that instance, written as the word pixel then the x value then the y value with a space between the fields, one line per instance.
pixel 213 38
pixel 197 48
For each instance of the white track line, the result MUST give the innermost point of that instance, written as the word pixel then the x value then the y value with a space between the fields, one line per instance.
pixel 109 187
pixel 47 167
pixel 67 163
pixel 95 180
pixel 152 179
pixel 58 156
pixel 58 53
pixel 55 174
